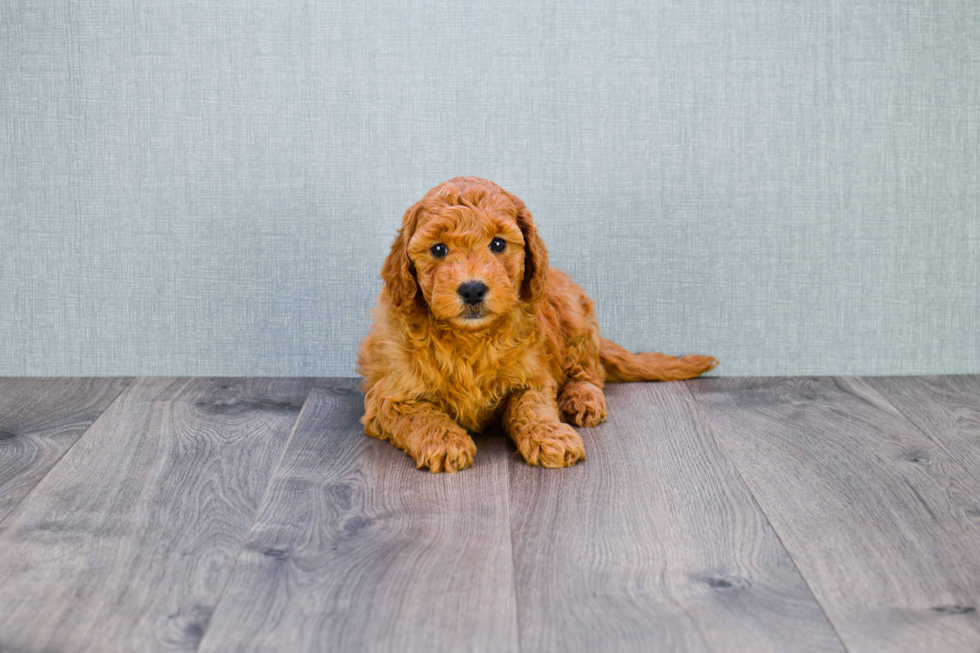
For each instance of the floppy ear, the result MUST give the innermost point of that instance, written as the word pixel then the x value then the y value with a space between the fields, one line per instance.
pixel 398 273
pixel 535 256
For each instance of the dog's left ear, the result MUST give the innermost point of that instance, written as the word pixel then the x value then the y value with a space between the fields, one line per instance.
pixel 535 256
pixel 398 273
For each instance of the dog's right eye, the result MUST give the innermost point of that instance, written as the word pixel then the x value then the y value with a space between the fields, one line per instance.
pixel 439 250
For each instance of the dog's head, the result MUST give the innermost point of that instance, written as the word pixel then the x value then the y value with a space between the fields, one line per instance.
pixel 467 253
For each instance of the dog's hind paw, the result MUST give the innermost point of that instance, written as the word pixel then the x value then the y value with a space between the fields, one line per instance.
pixel 582 403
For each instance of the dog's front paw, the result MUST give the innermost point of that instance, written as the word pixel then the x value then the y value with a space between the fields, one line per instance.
pixel 582 403
pixel 551 445
pixel 443 451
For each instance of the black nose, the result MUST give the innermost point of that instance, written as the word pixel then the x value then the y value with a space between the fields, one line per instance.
pixel 472 292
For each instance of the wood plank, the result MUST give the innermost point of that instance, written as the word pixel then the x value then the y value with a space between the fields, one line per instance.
pixel 126 543
pixel 40 419
pixel 875 514
pixel 653 543
pixel 356 550
pixel 947 411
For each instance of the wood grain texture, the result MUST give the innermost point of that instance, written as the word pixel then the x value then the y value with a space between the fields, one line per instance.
pixel 653 543
pixel 876 514
pixel 356 550
pixel 947 411
pixel 126 543
pixel 40 419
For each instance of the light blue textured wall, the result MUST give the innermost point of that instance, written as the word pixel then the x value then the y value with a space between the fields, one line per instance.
pixel 210 187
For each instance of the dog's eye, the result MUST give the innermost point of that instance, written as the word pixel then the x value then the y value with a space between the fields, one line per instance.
pixel 497 245
pixel 439 250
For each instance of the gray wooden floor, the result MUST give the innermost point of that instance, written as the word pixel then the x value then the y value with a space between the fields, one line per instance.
pixel 756 514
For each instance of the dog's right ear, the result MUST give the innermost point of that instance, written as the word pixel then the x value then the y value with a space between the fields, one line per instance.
pixel 398 273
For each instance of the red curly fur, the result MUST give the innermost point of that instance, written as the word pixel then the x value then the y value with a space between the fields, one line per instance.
pixel 530 355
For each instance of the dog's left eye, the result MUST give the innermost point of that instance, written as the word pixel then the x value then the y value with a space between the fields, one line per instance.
pixel 497 245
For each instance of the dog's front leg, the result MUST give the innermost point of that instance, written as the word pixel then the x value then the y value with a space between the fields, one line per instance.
pixel 424 432
pixel 531 421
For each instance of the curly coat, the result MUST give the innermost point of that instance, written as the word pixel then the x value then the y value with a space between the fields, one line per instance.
pixel 529 354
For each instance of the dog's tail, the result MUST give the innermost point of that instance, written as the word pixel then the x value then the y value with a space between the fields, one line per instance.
pixel 624 366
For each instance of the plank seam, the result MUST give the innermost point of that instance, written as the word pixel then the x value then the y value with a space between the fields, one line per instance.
pixel 255 517
pixel 772 526
pixel 901 412
pixel 132 382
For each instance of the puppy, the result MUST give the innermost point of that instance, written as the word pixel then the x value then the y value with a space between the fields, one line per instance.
pixel 472 327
